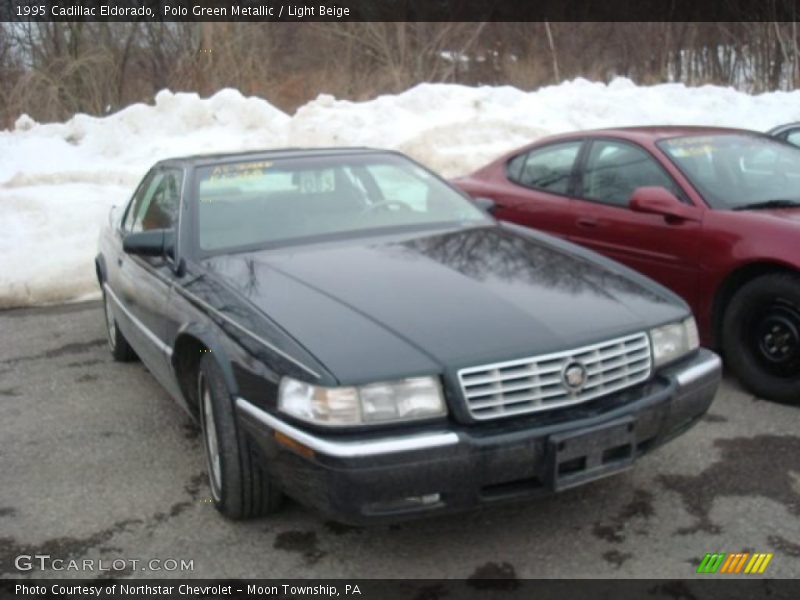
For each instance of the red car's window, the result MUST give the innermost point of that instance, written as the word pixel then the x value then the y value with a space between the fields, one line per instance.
pixel 614 169
pixel 548 168
pixel 738 170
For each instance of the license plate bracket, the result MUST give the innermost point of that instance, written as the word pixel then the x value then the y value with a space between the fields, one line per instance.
pixel 577 457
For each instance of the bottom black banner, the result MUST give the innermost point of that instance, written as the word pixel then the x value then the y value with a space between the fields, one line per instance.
pixel 744 588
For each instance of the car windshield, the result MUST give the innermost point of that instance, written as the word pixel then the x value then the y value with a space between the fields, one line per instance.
pixel 262 202
pixel 737 171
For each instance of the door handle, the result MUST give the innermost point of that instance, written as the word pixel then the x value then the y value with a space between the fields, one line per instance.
pixel 587 222
pixel 119 261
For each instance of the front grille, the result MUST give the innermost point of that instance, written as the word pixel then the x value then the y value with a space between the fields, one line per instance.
pixel 533 384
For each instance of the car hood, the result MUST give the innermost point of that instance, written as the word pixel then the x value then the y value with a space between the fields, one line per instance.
pixel 390 307
pixel 785 214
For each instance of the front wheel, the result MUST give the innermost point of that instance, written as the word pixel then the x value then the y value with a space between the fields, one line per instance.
pixel 120 349
pixel 761 336
pixel 239 486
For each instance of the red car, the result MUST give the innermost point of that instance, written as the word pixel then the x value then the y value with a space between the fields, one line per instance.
pixel 713 214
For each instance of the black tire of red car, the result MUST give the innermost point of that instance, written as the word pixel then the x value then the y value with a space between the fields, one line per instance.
pixel 120 349
pixel 240 489
pixel 761 336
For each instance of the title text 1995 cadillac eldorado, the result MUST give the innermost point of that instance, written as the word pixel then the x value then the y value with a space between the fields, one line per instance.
pixel 352 331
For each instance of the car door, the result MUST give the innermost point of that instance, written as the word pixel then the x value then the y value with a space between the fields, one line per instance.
pixel 141 284
pixel 663 248
pixel 540 183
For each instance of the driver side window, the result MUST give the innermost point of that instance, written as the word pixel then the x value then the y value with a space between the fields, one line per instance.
pixel 155 205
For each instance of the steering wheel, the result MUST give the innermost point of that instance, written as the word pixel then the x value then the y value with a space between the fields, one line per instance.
pixel 386 204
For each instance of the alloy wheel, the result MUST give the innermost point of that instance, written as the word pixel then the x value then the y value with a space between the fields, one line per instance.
pixel 213 459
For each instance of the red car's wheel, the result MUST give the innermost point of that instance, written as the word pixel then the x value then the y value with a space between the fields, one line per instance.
pixel 762 336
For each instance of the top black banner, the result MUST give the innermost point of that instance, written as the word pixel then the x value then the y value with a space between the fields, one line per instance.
pixel 398 10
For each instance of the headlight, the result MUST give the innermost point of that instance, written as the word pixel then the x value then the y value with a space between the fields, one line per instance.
pixel 404 400
pixel 672 341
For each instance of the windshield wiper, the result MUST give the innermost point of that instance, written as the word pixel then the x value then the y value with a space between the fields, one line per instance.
pixel 777 203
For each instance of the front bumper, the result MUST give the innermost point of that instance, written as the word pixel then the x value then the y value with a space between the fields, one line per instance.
pixel 358 479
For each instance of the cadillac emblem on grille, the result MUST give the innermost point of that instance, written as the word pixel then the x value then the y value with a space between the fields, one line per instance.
pixel 548 381
pixel 574 376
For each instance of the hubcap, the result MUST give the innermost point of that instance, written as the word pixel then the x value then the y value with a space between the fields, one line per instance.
pixel 775 333
pixel 210 436
pixel 111 325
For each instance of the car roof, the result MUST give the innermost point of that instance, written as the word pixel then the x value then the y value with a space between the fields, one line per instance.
pixel 656 132
pixel 275 153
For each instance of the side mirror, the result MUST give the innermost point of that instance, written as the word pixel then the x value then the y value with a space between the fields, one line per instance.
pixel 485 204
pixel 156 242
pixel 660 201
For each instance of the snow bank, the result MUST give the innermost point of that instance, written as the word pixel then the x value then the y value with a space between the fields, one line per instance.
pixel 57 181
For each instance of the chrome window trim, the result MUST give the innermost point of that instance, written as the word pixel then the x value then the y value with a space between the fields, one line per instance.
pixel 525 407
pixel 246 331
pixel 150 335
pixel 176 226
pixel 388 445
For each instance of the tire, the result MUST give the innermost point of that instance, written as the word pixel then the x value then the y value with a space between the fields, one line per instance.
pixel 240 488
pixel 761 336
pixel 119 347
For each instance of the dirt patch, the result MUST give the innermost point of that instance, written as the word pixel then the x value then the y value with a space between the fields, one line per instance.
pixel 300 542
pixel 196 483
pixel 640 507
pixel 174 511
pixel 757 466
pixel 342 528
pixel 609 533
pixel 784 546
pixel 84 363
pixel 191 431
pixel 74 348
pixel 616 558
pixel 63 547
pixel 712 418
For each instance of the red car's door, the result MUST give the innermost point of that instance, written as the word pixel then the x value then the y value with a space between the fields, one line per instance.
pixel 665 249
pixel 540 182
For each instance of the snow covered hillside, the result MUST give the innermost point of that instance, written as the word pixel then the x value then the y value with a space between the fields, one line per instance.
pixel 57 181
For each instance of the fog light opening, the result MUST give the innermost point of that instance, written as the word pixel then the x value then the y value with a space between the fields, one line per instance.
pixel 405 504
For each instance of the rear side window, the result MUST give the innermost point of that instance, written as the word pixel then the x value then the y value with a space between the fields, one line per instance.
pixel 794 137
pixel 548 169
pixel 614 169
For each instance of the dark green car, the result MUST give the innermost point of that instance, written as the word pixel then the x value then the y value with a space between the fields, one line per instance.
pixel 354 332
